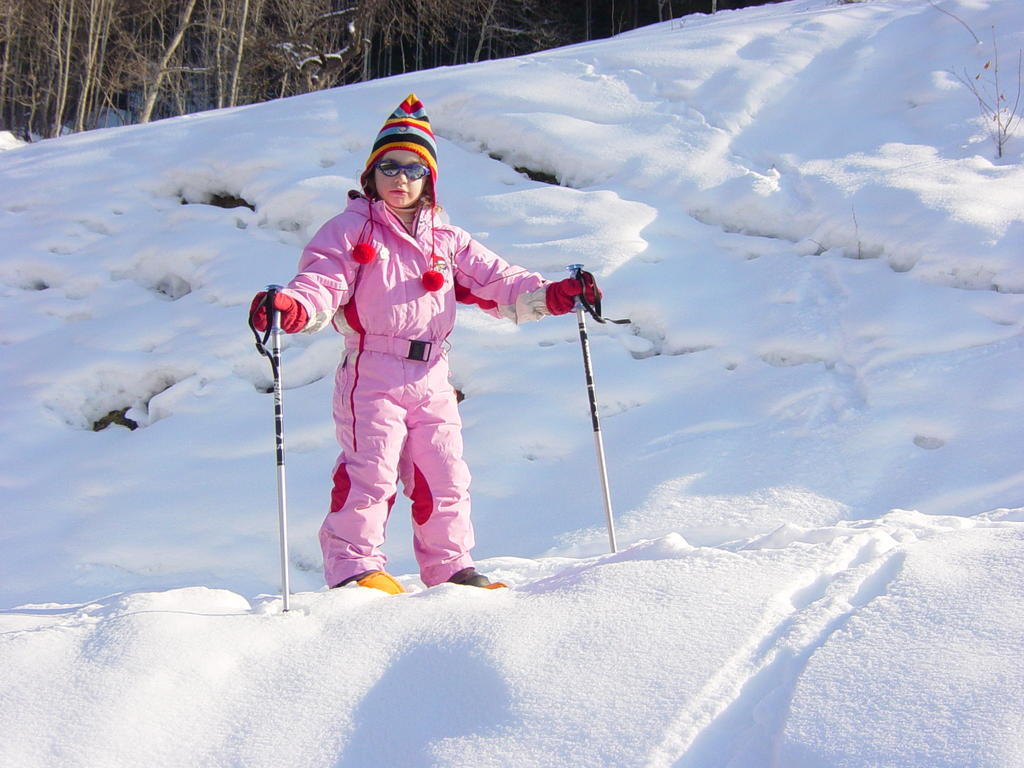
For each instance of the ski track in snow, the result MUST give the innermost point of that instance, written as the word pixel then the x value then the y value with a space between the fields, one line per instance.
pixel 739 713
pixel 735 720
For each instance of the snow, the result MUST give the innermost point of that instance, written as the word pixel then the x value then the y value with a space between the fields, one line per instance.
pixel 813 425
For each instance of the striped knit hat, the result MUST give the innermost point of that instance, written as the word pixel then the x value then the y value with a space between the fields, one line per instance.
pixel 407 128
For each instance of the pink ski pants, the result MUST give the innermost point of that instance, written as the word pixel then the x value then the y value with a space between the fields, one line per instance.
pixel 397 419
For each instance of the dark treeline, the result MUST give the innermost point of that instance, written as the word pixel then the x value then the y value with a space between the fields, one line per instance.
pixel 72 65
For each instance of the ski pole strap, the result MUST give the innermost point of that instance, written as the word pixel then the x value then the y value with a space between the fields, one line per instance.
pixel 261 341
pixel 593 309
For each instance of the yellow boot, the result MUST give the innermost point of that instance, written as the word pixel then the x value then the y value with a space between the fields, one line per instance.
pixel 381 580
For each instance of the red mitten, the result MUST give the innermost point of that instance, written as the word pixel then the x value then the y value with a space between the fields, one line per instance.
pixel 561 296
pixel 293 315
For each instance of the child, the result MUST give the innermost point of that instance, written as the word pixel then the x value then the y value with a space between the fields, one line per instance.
pixel 387 272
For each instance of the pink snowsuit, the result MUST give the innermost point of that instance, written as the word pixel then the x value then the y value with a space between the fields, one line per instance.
pixel 394 407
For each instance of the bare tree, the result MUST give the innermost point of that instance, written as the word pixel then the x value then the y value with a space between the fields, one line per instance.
pixel 1001 114
pixel 159 70
pixel 239 53
pixel 9 39
pixel 99 18
pixel 214 37
pixel 63 40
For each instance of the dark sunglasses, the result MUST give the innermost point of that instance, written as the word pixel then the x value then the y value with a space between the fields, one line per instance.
pixel 412 172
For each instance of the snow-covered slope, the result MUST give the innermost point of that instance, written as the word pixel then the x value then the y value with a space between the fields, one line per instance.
pixel 813 425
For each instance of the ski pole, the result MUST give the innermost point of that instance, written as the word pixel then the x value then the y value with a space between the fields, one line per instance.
pixel 576 270
pixel 282 500
pixel 274 335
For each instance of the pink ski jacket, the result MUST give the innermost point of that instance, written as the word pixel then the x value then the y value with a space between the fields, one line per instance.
pixel 385 299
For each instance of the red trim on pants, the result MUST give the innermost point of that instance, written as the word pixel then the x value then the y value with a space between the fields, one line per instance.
pixel 422 500
pixel 342 486
pixel 352 318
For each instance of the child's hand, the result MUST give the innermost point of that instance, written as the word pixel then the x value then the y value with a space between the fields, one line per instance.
pixel 561 296
pixel 293 315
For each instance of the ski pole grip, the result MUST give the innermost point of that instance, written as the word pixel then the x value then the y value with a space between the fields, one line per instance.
pixel 574 271
pixel 273 315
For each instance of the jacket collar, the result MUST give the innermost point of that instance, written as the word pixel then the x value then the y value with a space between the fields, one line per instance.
pixel 378 212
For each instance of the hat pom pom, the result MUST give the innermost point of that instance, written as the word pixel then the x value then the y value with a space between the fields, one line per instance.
pixel 432 280
pixel 364 253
